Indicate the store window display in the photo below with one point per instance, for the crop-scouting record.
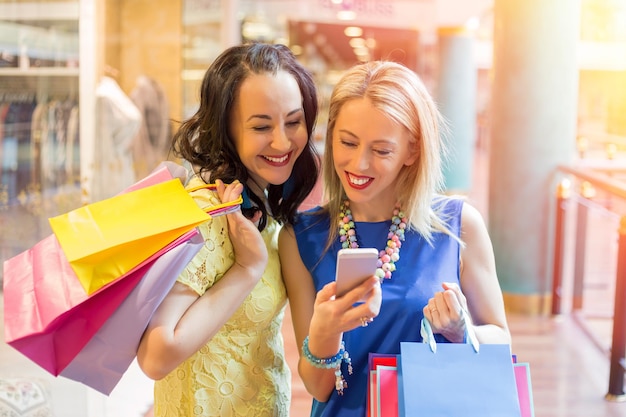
(57, 103)
(54, 144)
(17, 113)
(39, 112)
(152, 143)
(117, 123)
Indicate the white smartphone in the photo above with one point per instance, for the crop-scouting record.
(353, 267)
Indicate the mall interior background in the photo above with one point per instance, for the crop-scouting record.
(63, 62)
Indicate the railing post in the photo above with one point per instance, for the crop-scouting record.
(582, 213)
(618, 342)
(562, 195)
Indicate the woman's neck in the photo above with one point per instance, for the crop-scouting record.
(372, 212)
(256, 189)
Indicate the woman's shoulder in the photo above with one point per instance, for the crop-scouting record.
(311, 226)
(472, 218)
(449, 204)
(311, 217)
(457, 206)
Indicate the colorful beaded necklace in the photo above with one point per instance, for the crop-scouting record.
(388, 257)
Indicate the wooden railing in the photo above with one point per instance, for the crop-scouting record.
(584, 182)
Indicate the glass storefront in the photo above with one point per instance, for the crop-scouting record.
(39, 118)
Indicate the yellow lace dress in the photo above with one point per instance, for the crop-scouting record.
(242, 371)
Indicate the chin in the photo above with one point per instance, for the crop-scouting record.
(277, 181)
(279, 175)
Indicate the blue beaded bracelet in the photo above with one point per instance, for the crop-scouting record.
(330, 363)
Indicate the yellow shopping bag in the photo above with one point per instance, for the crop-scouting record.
(104, 240)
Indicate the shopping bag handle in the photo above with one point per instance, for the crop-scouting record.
(218, 209)
(426, 331)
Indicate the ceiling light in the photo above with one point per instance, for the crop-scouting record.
(320, 39)
(353, 31)
(357, 42)
(473, 23)
(361, 51)
(346, 15)
(256, 29)
(310, 28)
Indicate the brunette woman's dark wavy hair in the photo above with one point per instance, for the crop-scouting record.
(204, 140)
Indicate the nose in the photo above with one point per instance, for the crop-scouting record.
(362, 159)
(280, 140)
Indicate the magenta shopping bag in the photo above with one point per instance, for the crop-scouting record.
(103, 361)
(47, 314)
(524, 388)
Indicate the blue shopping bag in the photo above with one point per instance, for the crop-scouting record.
(456, 379)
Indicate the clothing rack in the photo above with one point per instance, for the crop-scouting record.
(59, 86)
(39, 148)
(17, 97)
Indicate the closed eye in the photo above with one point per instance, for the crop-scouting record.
(294, 123)
(383, 152)
(348, 143)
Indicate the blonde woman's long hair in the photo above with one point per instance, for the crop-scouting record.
(399, 93)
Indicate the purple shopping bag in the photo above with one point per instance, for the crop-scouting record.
(103, 361)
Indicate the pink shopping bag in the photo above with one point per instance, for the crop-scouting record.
(47, 314)
(524, 389)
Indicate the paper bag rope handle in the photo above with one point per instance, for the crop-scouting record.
(426, 331)
(218, 209)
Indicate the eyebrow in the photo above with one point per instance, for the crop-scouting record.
(265, 116)
(348, 133)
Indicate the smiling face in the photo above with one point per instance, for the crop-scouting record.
(268, 127)
(369, 150)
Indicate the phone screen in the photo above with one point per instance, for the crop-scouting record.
(353, 267)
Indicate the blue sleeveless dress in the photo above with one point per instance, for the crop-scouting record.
(420, 271)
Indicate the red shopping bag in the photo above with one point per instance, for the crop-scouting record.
(382, 394)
